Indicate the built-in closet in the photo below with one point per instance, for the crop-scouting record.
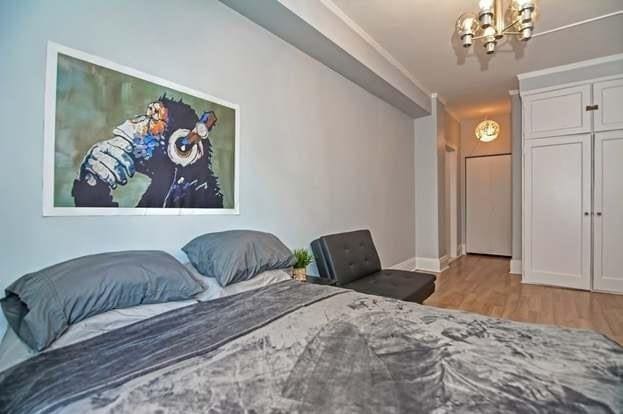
(573, 185)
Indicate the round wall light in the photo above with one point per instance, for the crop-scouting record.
(487, 130)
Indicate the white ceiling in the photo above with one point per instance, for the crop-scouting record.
(420, 35)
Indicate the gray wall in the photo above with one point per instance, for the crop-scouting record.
(470, 146)
(426, 186)
(432, 133)
(318, 153)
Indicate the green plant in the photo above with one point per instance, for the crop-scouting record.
(303, 258)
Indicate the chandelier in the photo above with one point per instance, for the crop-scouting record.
(490, 24)
(487, 130)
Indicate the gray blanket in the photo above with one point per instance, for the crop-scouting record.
(295, 347)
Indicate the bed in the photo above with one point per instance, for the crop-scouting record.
(300, 347)
(138, 331)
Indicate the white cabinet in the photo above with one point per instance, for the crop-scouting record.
(556, 113)
(608, 96)
(557, 224)
(608, 208)
(573, 186)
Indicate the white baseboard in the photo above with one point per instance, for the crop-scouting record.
(444, 263)
(428, 264)
(516, 267)
(408, 264)
(462, 250)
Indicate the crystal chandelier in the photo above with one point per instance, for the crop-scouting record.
(490, 24)
(487, 131)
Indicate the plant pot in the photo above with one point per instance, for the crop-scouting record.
(299, 274)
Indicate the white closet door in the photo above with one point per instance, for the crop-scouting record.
(609, 97)
(557, 205)
(557, 113)
(488, 205)
(608, 219)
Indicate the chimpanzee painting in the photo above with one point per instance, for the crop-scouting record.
(123, 142)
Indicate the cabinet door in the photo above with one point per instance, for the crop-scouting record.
(557, 113)
(557, 205)
(609, 96)
(608, 207)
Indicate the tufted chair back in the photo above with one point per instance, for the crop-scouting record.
(346, 257)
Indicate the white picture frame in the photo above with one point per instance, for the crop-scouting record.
(49, 207)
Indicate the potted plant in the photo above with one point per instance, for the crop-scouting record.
(303, 259)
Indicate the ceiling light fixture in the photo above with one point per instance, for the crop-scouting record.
(487, 130)
(489, 25)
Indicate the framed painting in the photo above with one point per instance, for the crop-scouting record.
(122, 142)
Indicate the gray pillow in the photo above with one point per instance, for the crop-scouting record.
(237, 255)
(40, 306)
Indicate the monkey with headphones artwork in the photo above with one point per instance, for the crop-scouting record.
(170, 144)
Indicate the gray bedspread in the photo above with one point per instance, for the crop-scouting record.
(294, 347)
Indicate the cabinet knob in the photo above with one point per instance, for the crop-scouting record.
(586, 213)
(599, 213)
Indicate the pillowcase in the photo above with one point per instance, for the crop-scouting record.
(237, 255)
(213, 290)
(41, 305)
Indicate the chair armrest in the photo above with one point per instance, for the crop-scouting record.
(321, 260)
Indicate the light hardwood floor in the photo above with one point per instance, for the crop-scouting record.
(482, 284)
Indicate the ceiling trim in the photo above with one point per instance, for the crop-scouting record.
(375, 45)
(571, 66)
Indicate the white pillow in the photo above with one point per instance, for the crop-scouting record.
(213, 290)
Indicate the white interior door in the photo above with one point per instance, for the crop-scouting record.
(488, 205)
(557, 206)
(608, 218)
